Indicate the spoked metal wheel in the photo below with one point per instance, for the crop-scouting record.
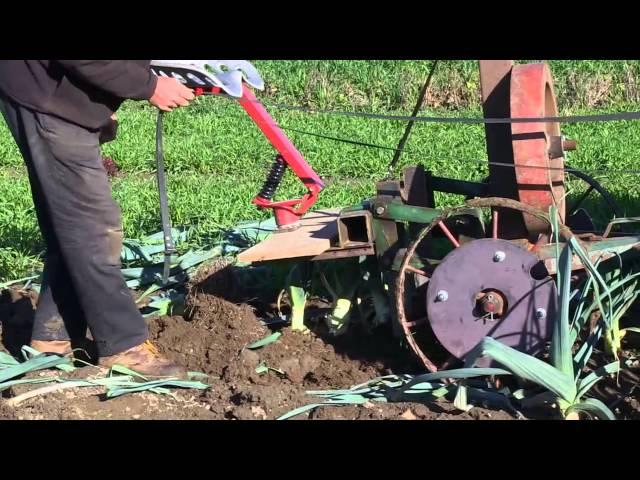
(593, 186)
(485, 286)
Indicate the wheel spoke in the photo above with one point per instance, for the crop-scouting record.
(415, 323)
(582, 198)
(417, 271)
(446, 231)
(594, 184)
(494, 224)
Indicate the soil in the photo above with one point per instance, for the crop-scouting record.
(213, 340)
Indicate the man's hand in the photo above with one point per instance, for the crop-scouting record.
(170, 94)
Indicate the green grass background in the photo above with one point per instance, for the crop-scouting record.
(217, 158)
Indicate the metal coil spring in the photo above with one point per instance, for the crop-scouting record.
(274, 178)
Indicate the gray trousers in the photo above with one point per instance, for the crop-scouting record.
(81, 226)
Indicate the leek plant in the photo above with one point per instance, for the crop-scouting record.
(297, 293)
(342, 290)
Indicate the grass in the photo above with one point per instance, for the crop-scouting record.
(217, 158)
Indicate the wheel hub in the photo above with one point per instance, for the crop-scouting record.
(491, 304)
(489, 287)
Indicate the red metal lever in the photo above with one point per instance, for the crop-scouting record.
(286, 212)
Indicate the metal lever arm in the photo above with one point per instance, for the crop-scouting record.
(230, 76)
(169, 247)
(287, 212)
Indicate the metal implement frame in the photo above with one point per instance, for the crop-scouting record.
(287, 212)
(381, 210)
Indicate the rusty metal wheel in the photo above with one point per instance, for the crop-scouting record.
(537, 144)
(613, 208)
(485, 286)
(536, 149)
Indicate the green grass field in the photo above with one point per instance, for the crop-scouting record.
(217, 158)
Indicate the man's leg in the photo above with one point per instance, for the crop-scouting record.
(58, 311)
(58, 318)
(86, 222)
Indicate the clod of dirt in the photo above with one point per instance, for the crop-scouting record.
(6, 412)
(216, 334)
(408, 415)
(244, 367)
(17, 308)
(299, 370)
(215, 279)
(110, 166)
(421, 411)
(259, 412)
(293, 370)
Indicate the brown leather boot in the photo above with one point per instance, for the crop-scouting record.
(59, 347)
(146, 360)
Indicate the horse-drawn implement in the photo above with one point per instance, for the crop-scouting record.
(444, 277)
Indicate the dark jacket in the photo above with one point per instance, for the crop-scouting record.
(85, 92)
